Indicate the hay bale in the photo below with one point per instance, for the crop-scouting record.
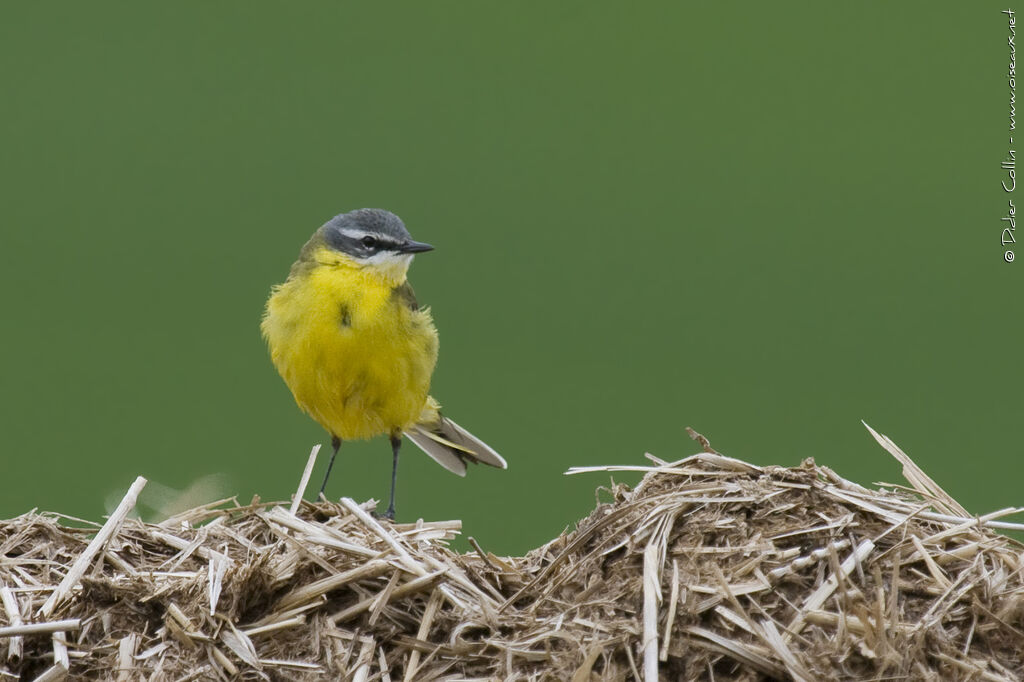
(711, 568)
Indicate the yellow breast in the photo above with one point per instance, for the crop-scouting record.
(354, 353)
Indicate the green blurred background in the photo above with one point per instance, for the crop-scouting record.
(765, 221)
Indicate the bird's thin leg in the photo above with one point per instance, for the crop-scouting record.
(335, 443)
(396, 445)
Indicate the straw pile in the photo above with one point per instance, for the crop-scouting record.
(710, 569)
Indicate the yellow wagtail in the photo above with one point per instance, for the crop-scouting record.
(348, 337)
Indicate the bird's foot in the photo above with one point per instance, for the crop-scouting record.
(389, 514)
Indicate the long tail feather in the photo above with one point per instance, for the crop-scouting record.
(452, 446)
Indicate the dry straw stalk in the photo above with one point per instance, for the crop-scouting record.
(711, 568)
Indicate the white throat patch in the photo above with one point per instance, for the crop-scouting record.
(390, 265)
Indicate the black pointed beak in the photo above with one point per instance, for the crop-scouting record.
(415, 247)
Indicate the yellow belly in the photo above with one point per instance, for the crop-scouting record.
(354, 355)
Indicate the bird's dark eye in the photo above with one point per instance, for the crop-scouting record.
(369, 242)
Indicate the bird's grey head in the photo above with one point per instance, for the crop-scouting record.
(371, 235)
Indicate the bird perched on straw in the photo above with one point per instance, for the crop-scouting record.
(356, 349)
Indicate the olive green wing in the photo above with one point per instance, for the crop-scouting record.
(406, 296)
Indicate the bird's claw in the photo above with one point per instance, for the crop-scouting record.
(389, 514)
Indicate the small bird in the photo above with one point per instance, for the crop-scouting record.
(356, 349)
